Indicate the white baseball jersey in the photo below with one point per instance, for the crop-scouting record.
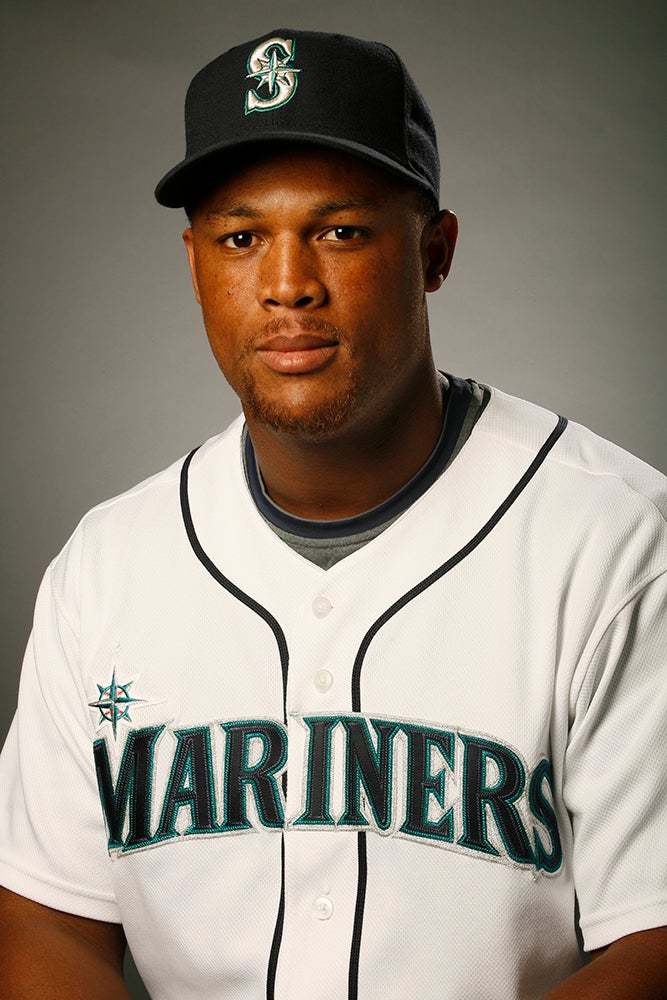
(402, 776)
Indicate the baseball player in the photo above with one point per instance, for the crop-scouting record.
(364, 698)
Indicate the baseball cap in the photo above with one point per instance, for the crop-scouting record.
(330, 90)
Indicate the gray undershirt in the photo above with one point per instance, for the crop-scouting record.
(326, 552)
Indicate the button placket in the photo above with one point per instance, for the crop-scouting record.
(324, 681)
(323, 908)
(322, 606)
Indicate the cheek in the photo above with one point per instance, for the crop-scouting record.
(220, 303)
(388, 291)
(217, 283)
(221, 322)
(358, 290)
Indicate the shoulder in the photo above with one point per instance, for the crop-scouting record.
(213, 457)
(146, 516)
(578, 460)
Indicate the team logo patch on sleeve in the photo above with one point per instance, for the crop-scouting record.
(114, 702)
(271, 64)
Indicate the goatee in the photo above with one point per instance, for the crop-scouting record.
(308, 419)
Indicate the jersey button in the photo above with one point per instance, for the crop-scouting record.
(321, 607)
(323, 907)
(323, 680)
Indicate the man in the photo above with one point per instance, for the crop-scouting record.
(365, 697)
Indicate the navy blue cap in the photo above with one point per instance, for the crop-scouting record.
(304, 86)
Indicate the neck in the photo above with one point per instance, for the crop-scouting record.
(346, 475)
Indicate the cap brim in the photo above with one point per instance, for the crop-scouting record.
(192, 179)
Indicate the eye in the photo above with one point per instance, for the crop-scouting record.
(340, 234)
(238, 241)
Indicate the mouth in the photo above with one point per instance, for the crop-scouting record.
(298, 353)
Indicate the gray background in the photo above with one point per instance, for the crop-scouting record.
(551, 119)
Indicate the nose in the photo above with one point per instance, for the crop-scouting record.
(291, 276)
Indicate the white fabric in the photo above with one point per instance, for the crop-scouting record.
(546, 642)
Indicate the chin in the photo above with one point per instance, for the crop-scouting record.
(314, 420)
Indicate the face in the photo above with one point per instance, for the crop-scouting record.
(311, 269)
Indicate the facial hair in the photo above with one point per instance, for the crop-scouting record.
(313, 420)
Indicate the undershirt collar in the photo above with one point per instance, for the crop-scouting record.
(457, 395)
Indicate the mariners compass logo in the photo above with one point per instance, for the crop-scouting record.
(271, 64)
(114, 701)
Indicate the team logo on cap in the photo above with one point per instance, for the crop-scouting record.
(271, 64)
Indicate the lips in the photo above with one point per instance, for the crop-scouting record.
(297, 353)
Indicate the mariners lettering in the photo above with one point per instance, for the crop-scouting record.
(462, 791)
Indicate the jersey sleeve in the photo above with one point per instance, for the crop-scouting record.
(52, 838)
(615, 773)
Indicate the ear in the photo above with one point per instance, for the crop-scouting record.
(438, 242)
(189, 246)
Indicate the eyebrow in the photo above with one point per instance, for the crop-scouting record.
(241, 211)
(232, 211)
(331, 207)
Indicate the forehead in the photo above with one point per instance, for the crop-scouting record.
(269, 170)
